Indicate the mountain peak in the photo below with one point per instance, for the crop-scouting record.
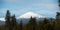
(2, 19)
(29, 14)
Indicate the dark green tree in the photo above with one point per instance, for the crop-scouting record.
(51, 25)
(20, 27)
(59, 3)
(45, 24)
(57, 23)
(13, 22)
(40, 25)
(32, 24)
(45, 21)
(7, 18)
(0, 27)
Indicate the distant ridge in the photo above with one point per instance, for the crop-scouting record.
(29, 14)
(2, 19)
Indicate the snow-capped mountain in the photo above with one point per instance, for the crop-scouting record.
(25, 17)
(29, 14)
(2, 19)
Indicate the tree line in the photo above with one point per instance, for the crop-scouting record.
(46, 24)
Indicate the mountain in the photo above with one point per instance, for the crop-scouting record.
(25, 17)
(2, 21)
(29, 14)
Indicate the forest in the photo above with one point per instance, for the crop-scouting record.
(46, 24)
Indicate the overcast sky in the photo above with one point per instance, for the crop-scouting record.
(18, 7)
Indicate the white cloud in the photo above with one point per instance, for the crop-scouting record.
(49, 1)
(47, 6)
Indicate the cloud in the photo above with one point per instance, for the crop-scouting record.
(47, 6)
(31, 5)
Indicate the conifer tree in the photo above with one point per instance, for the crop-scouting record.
(51, 21)
(45, 24)
(32, 24)
(50, 25)
(0, 27)
(45, 21)
(7, 18)
(21, 25)
(40, 25)
(13, 22)
(59, 4)
(57, 24)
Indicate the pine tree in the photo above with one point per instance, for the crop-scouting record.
(13, 22)
(21, 25)
(59, 4)
(57, 24)
(51, 25)
(40, 25)
(0, 27)
(45, 21)
(7, 18)
(51, 21)
(45, 24)
(32, 24)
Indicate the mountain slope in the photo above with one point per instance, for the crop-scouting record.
(2, 19)
(29, 14)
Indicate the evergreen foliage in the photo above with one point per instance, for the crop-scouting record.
(46, 24)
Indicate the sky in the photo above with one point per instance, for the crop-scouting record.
(19, 7)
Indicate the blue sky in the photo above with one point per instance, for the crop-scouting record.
(18, 7)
